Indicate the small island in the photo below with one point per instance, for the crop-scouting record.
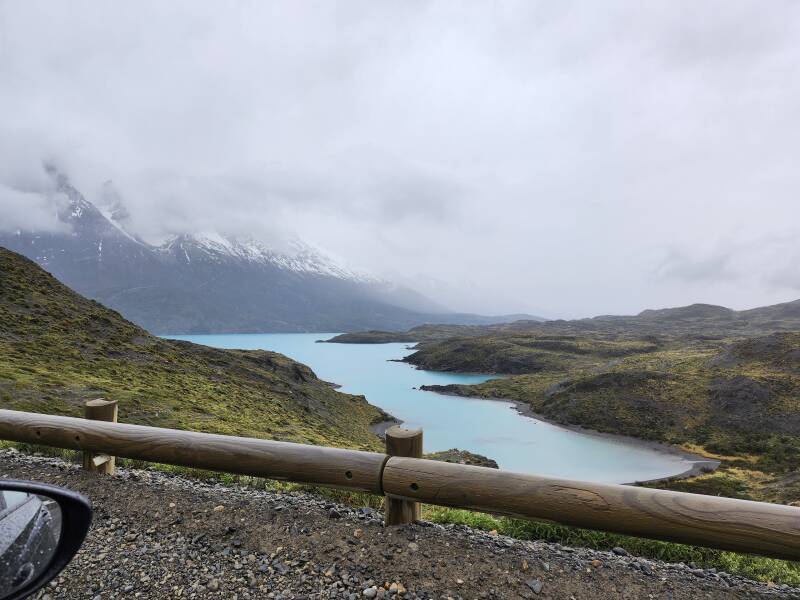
(463, 457)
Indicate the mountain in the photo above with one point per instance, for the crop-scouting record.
(694, 321)
(60, 349)
(693, 311)
(210, 283)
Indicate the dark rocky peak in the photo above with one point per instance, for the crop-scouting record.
(73, 209)
(86, 221)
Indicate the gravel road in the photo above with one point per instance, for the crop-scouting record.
(157, 535)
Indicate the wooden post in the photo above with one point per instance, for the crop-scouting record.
(100, 410)
(408, 443)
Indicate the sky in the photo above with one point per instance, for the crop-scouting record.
(558, 158)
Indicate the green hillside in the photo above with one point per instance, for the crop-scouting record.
(737, 399)
(58, 349)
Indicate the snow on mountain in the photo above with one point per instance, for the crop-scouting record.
(211, 282)
(300, 257)
(110, 218)
(110, 205)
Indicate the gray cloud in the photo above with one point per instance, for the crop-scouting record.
(571, 157)
(28, 210)
(769, 262)
(714, 268)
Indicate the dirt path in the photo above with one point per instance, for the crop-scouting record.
(160, 536)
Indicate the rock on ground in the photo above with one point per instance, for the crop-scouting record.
(157, 535)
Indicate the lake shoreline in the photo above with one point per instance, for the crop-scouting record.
(373, 372)
(700, 464)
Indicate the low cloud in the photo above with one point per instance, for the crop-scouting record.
(718, 267)
(765, 262)
(28, 211)
(565, 157)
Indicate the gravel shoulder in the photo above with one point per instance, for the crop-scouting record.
(158, 535)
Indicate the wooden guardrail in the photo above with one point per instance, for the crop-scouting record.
(725, 523)
(333, 467)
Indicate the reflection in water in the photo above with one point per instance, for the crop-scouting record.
(30, 528)
(488, 427)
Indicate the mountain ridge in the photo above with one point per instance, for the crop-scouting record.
(212, 283)
(692, 320)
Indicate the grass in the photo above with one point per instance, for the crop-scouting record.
(753, 567)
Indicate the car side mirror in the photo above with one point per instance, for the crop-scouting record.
(41, 528)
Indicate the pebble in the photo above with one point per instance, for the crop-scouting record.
(535, 585)
(297, 553)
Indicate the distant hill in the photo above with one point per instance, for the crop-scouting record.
(705, 377)
(693, 311)
(731, 396)
(705, 320)
(209, 283)
(59, 349)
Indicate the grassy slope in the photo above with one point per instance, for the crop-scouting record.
(59, 349)
(739, 399)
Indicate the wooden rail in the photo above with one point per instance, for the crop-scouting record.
(725, 523)
(332, 467)
(740, 525)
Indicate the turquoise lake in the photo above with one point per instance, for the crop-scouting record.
(492, 428)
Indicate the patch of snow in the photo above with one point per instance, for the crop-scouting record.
(301, 258)
(118, 226)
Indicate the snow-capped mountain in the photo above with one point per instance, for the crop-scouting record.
(210, 282)
(299, 257)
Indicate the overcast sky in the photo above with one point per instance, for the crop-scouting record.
(562, 158)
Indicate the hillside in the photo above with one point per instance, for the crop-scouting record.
(516, 353)
(737, 399)
(421, 333)
(59, 349)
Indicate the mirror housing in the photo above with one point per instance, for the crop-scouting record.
(75, 517)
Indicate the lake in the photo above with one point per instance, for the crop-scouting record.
(491, 428)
